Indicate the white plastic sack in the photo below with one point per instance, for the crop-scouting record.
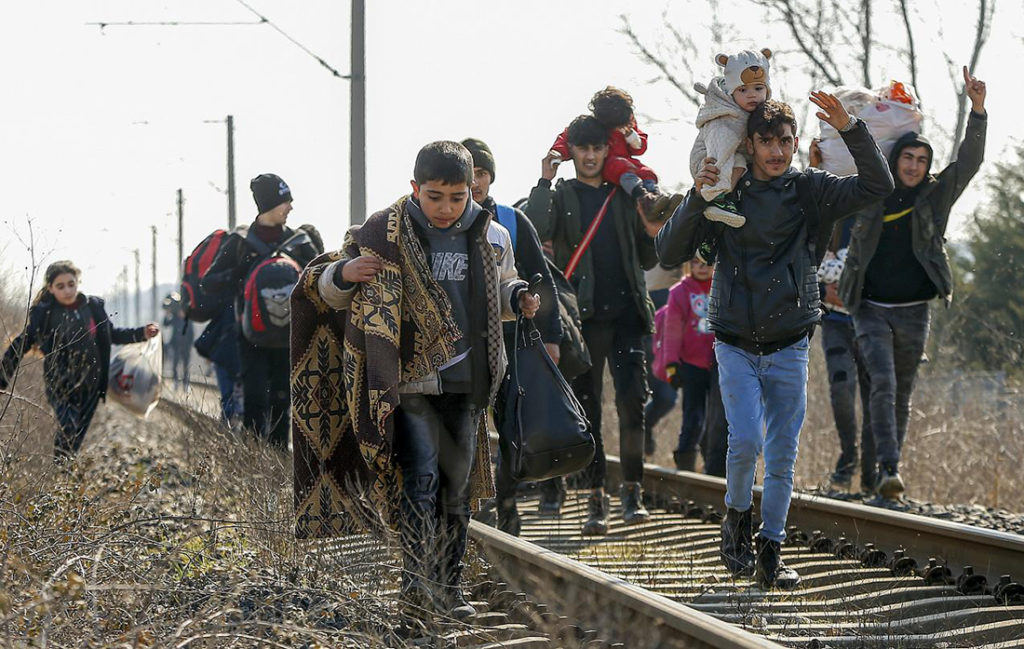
(887, 118)
(135, 376)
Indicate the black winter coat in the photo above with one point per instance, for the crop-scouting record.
(764, 295)
(63, 353)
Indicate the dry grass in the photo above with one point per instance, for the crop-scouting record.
(966, 453)
(171, 532)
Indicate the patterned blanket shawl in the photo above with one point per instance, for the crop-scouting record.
(345, 370)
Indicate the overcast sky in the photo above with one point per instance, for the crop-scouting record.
(101, 126)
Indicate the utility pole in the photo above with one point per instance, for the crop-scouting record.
(231, 172)
(138, 288)
(357, 150)
(181, 232)
(156, 306)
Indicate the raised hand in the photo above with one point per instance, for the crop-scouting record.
(832, 110)
(975, 89)
(151, 330)
(529, 303)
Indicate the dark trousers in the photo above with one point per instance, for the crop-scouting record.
(662, 395)
(74, 414)
(619, 343)
(696, 384)
(229, 406)
(891, 342)
(435, 442)
(845, 375)
(715, 445)
(266, 389)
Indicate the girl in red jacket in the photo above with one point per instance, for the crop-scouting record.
(689, 352)
(614, 109)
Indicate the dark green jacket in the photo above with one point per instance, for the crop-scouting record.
(556, 215)
(930, 217)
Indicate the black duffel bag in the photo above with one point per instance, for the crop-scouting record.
(544, 432)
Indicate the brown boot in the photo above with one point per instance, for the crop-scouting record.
(652, 206)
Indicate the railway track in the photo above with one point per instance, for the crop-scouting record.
(871, 578)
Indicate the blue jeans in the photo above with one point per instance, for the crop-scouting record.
(765, 400)
(229, 405)
(891, 342)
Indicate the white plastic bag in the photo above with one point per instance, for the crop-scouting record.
(894, 112)
(135, 376)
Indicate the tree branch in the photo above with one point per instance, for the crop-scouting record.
(911, 53)
(650, 58)
(986, 8)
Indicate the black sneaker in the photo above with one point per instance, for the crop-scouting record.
(890, 484)
(550, 502)
(597, 520)
(707, 251)
(724, 210)
(633, 510)
(685, 460)
(770, 571)
(737, 552)
(840, 481)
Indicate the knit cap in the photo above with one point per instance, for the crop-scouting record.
(269, 191)
(482, 156)
(746, 67)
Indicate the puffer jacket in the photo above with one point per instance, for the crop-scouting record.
(930, 217)
(764, 294)
(721, 129)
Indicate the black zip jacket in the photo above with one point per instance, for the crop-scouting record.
(61, 352)
(764, 295)
(930, 217)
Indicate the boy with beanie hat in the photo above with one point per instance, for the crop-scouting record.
(722, 126)
(264, 370)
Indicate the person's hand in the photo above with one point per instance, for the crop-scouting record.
(151, 330)
(832, 295)
(707, 175)
(528, 304)
(814, 154)
(832, 110)
(976, 92)
(361, 269)
(549, 165)
(554, 351)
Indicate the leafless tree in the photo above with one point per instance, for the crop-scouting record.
(986, 10)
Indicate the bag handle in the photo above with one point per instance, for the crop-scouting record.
(588, 237)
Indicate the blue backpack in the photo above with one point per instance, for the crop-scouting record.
(507, 218)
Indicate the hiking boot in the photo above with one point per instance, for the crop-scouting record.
(597, 509)
(508, 517)
(652, 207)
(707, 251)
(633, 510)
(550, 501)
(448, 597)
(770, 571)
(451, 601)
(840, 480)
(724, 210)
(685, 460)
(736, 551)
(890, 484)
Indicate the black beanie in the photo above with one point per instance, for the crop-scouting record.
(269, 191)
(482, 156)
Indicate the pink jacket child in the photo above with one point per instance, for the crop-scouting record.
(688, 337)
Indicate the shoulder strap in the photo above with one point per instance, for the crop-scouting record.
(809, 206)
(261, 246)
(507, 218)
(588, 237)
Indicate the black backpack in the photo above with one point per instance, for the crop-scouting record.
(199, 305)
(266, 309)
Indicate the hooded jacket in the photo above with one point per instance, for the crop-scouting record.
(935, 198)
(721, 129)
(764, 295)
